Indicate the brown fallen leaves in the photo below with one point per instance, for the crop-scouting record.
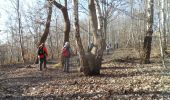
(117, 81)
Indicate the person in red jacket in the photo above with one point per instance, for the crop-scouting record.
(42, 55)
(66, 52)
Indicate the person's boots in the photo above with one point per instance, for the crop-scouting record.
(45, 64)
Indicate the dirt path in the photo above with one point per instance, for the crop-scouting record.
(117, 81)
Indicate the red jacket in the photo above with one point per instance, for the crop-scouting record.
(46, 53)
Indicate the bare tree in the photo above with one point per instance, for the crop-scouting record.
(51, 46)
(162, 32)
(163, 11)
(83, 59)
(91, 63)
(46, 31)
(148, 36)
(20, 32)
(66, 19)
(96, 54)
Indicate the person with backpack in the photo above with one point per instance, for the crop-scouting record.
(42, 55)
(66, 52)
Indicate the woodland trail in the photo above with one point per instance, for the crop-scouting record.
(118, 80)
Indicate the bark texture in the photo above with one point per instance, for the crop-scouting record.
(94, 58)
(47, 26)
(66, 20)
(148, 36)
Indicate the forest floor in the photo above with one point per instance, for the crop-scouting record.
(121, 78)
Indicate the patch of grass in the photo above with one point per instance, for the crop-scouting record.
(57, 65)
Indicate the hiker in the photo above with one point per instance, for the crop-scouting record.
(66, 52)
(42, 55)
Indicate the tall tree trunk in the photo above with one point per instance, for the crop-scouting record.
(22, 47)
(161, 45)
(91, 62)
(65, 3)
(89, 33)
(47, 26)
(57, 40)
(51, 46)
(132, 21)
(163, 10)
(20, 31)
(105, 18)
(162, 32)
(148, 36)
(67, 23)
(83, 60)
(66, 20)
(12, 46)
(167, 17)
(96, 55)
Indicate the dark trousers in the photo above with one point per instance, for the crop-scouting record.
(41, 62)
(66, 64)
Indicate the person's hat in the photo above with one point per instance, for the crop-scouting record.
(66, 44)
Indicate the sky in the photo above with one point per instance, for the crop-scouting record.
(5, 6)
(3, 15)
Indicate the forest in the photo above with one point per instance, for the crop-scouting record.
(84, 50)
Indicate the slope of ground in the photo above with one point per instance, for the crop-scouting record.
(118, 80)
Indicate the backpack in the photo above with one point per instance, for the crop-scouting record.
(66, 52)
(41, 51)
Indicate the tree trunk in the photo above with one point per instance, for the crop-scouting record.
(167, 19)
(83, 60)
(105, 18)
(162, 38)
(89, 34)
(91, 63)
(148, 36)
(67, 23)
(20, 32)
(47, 27)
(51, 46)
(96, 54)
(163, 11)
(66, 20)
(57, 40)
(12, 46)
